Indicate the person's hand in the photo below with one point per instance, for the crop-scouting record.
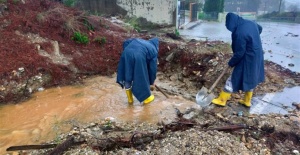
(229, 65)
(152, 87)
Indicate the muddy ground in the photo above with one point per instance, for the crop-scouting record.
(38, 52)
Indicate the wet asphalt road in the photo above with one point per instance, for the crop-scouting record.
(281, 41)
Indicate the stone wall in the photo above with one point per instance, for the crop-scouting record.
(156, 11)
(101, 7)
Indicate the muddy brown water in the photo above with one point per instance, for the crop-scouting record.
(54, 111)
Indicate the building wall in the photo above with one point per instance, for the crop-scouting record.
(156, 11)
(100, 7)
(238, 6)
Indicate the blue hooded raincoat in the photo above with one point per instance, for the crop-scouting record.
(247, 59)
(138, 65)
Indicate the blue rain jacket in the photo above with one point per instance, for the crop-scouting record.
(247, 59)
(138, 65)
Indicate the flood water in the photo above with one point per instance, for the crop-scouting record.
(277, 102)
(281, 41)
(54, 111)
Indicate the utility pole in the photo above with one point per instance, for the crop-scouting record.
(177, 17)
(280, 1)
(265, 7)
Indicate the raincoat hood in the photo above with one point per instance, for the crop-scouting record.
(127, 42)
(155, 42)
(232, 21)
(152, 47)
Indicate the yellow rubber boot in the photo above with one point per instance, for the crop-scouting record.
(129, 95)
(149, 99)
(222, 99)
(247, 99)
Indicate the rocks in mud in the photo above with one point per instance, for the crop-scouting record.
(174, 77)
(295, 120)
(18, 73)
(170, 57)
(296, 152)
(290, 81)
(193, 140)
(297, 105)
(185, 72)
(37, 82)
(291, 65)
(18, 87)
(213, 62)
(3, 9)
(291, 34)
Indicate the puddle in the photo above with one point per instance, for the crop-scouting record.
(280, 102)
(56, 110)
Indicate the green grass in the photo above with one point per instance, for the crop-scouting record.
(80, 38)
(100, 40)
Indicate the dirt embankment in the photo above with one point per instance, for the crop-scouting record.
(39, 48)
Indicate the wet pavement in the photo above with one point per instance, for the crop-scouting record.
(279, 102)
(280, 40)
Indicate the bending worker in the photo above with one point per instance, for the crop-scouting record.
(137, 68)
(247, 59)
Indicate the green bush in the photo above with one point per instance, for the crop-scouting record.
(177, 32)
(201, 15)
(88, 25)
(133, 21)
(69, 3)
(137, 28)
(100, 40)
(3, 1)
(80, 38)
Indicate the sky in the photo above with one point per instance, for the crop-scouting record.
(289, 2)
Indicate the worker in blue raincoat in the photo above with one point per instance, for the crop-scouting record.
(247, 59)
(137, 68)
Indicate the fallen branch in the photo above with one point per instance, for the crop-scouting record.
(162, 91)
(59, 148)
(31, 147)
(136, 140)
(228, 128)
(64, 146)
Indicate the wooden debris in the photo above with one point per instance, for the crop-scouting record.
(161, 91)
(228, 128)
(64, 146)
(31, 147)
(137, 139)
(173, 36)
